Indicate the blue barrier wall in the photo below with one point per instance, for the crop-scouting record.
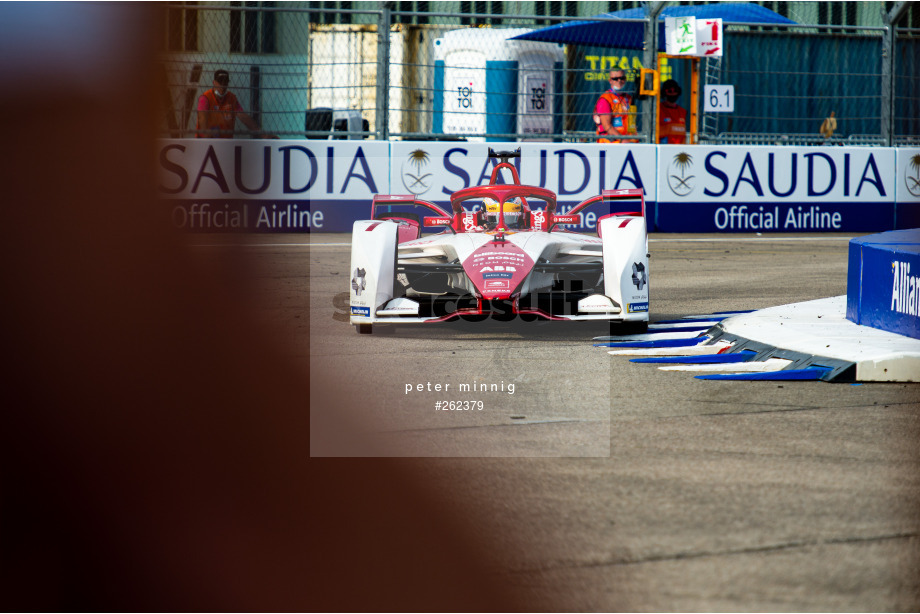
(883, 282)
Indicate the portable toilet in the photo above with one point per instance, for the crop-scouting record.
(485, 83)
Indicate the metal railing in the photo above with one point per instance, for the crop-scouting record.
(729, 138)
(400, 70)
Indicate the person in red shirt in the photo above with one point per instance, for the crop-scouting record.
(672, 119)
(218, 110)
(611, 112)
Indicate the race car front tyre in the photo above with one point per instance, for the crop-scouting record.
(364, 329)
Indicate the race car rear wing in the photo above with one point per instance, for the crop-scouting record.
(403, 199)
(613, 196)
(387, 201)
(618, 204)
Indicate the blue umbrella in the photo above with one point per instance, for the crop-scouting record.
(615, 32)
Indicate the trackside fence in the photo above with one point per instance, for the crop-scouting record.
(305, 71)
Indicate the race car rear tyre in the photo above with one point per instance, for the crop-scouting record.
(364, 329)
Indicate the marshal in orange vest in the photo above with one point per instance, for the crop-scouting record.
(617, 106)
(217, 116)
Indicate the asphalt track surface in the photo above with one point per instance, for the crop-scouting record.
(604, 485)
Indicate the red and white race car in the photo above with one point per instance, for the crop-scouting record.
(504, 253)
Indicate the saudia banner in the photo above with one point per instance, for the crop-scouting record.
(908, 188)
(775, 189)
(303, 186)
(271, 186)
(575, 172)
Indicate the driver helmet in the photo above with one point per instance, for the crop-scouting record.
(513, 212)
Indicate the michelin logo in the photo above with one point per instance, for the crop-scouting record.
(361, 311)
(636, 307)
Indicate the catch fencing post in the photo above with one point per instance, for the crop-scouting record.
(887, 81)
(383, 72)
(650, 60)
(887, 111)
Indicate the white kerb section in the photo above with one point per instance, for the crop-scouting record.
(820, 328)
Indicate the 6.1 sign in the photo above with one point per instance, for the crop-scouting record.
(719, 99)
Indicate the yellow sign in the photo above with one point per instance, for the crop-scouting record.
(599, 67)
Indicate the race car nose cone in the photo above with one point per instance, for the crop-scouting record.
(497, 269)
